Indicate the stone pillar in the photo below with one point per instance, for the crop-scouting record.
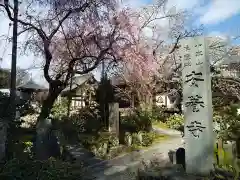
(114, 118)
(197, 101)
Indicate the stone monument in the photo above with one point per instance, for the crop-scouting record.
(197, 101)
(114, 118)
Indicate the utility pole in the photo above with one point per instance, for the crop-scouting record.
(14, 62)
(12, 103)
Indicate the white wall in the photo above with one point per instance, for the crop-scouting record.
(163, 100)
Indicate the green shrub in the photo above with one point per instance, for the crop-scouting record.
(148, 138)
(76, 123)
(60, 109)
(97, 143)
(21, 150)
(175, 121)
(5, 113)
(138, 121)
(225, 172)
(114, 141)
(158, 114)
(228, 119)
(144, 120)
(4, 102)
(135, 139)
(154, 170)
(128, 123)
(85, 121)
(44, 170)
(88, 141)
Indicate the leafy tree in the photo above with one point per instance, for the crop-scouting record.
(4, 78)
(150, 60)
(59, 109)
(74, 37)
(4, 100)
(22, 76)
(229, 120)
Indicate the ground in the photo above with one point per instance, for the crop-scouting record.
(119, 166)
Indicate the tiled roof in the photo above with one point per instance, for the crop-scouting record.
(78, 81)
(31, 85)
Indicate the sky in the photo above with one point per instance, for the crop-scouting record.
(219, 18)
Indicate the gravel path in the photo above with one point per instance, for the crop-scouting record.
(169, 132)
(123, 167)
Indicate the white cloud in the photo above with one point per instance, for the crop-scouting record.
(208, 11)
(218, 35)
(220, 10)
(182, 4)
(179, 4)
(133, 3)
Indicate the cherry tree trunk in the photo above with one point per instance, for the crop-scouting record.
(45, 143)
